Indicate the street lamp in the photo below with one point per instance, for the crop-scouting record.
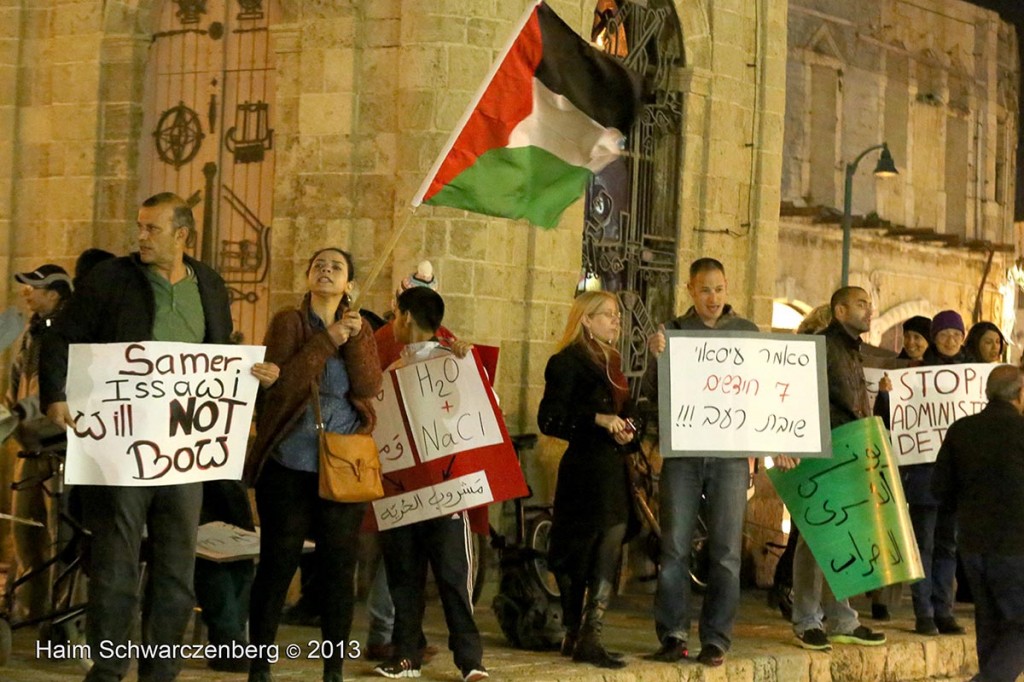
(886, 168)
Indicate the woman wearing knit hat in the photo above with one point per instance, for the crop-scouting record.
(935, 526)
(947, 336)
(985, 343)
(916, 332)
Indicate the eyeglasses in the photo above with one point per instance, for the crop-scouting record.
(611, 316)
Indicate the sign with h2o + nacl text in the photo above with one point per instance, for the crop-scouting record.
(734, 394)
(443, 447)
(159, 413)
(924, 401)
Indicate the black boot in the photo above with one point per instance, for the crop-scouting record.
(571, 594)
(588, 646)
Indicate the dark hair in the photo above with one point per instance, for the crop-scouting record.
(62, 288)
(344, 254)
(842, 296)
(181, 217)
(89, 259)
(704, 265)
(974, 340)
(426, 306)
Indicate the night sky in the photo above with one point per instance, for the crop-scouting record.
(1013, 12)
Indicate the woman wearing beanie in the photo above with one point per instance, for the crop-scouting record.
(985, 343)
(935, 526)
(916, 332)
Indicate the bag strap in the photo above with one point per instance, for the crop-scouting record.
(315, 390)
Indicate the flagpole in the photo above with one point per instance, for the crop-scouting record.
(378, 265)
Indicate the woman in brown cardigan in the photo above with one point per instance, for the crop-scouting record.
(321, 341)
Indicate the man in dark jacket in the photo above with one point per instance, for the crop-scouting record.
(980, 472)
(847, 402)
(723, 481)
(157, 294)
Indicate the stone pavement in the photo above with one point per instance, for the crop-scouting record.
(764, 651)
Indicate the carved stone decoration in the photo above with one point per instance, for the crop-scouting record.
(178, 135)
(251, 135)
(189, 10)
(251, 9)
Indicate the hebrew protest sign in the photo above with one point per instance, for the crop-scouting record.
(852, 512)
(442, 442)
(159, 413)
(924, 401)
(735, 394)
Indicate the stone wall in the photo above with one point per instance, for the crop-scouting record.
(936, 80)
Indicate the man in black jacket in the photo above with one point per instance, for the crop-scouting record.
(157, 294)
(847, 402)
(980, 472)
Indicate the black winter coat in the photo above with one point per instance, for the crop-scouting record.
(592, 493)
(115, 303)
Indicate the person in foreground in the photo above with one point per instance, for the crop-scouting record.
(813, 602)
(586, 402)
(979, 472)
(721, 482)
(324, 346)
(156, 294)
(442, 542)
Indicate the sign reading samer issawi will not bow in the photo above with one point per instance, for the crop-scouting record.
(159, 413)
(734, 394)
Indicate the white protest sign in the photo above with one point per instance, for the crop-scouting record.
(734, 394)
(219, 541)
(448, 406)
(159, 413)
(924, 402)
(389, 433)
(449, 497)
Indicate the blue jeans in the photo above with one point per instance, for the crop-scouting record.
(380, 609)
(935, 529)
(724, 483)
(998, 586)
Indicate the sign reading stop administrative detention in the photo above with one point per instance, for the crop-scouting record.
(159, 413)
(734, 394)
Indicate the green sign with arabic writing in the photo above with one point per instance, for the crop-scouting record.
(852, 512)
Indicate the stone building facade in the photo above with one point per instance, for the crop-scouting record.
(366, 93)
(938, 82)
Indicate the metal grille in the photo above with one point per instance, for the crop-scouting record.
(208, 133)
(630, 235)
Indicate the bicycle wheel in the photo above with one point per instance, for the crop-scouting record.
(481, 557)
(538, 536)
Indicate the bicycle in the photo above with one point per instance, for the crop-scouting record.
(61, 623)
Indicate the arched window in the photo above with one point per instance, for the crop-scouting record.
(631, 230)
(208, 135)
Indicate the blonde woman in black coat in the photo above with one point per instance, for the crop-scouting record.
(586, 402)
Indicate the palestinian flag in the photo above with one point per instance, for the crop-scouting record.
(552, 113)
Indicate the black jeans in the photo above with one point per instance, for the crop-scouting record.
(998, 586)
(445, 544)
(116, 516)
(291, 510)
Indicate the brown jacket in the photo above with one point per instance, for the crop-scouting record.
(301, 353)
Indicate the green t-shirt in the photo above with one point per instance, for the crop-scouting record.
(179, 309)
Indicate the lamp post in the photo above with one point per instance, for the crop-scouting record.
(885, 168)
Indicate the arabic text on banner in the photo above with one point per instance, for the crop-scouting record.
(442, 442)
(852, 512)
